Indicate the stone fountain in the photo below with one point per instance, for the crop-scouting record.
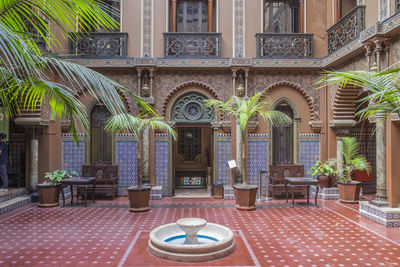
(191, 240)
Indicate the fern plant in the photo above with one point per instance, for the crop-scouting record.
(351, 160)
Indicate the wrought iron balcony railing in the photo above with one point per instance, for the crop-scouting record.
(284, 45)
(192, 45)
(99, 45)
(346, 29)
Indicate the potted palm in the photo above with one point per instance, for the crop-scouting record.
(349, 190)
(139, 195)
(326, 173)
(49, 190)
(243, 109)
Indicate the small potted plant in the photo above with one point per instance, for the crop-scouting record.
(349, 190)
(326, 173)
(139, 196)
(49, 190)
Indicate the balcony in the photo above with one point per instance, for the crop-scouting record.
(284, 45)
(192, 45)
(346, 29)
(99, 45)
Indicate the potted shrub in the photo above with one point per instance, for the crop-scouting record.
(326, 173)
(349, 190)
(242, 109)
(139, 196)
(49, 190)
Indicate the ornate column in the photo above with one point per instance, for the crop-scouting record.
(368, 53)
(381, 195)
(339, 156)
(145, 156)
(301, 12)
(378, 50)
(173, 9)
(210, 15)
(215, 126)
(239, 174)
(383, 9)
(34, 168)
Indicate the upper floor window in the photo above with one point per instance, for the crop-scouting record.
(281, 16)
(192, 15)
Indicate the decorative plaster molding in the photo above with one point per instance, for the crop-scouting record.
(147, 38)
(316, 126)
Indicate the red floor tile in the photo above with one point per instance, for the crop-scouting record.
(276, 234)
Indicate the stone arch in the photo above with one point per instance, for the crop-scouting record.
(344, 105)
(90, 101)
(185, 88)
(281, 100)
(307, 97)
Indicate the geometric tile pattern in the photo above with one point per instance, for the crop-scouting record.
(224, 155)
(126, 152)
(331, 193)
(277, 234)
(162, 161)
(258, 156)
(388, 217)
(309, 150)
(73, 156)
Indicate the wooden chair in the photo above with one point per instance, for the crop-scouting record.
(277, 174)
(106, 180)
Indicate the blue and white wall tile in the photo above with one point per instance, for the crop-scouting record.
(224, 155)
(126, 152)
(309, 150)
(162, 162)
(257, 156)
(73, 154)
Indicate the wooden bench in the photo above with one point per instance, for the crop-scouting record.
(106, 180)
(277, 174)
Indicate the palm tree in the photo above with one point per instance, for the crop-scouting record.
(26, 70)
(243, 109)
(351, 160)
(139, 126)
(383, 89)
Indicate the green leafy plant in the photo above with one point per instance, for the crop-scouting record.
(243, 109)
(57, 175)
(351, 160)
(326, 168)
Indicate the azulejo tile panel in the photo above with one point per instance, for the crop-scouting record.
(224, 155)
(309, 150)
(73, 154)
(126, 152)
(257, 156)
(162, 162)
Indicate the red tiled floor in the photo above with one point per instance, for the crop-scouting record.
(275, 234)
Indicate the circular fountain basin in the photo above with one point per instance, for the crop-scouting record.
(214, 241)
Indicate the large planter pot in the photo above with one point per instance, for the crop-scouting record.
(245, 196)
(364, 176)
(49, 195)
(325, 181)
(139, 198)
(349, 192)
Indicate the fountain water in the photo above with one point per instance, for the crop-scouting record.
(191, 240)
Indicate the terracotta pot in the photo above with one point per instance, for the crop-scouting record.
(245, 196)
(349, 192)
(139, 199)
(364, 176)
(49, 195)
(325, 181)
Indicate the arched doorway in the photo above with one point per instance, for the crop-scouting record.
(100, 140)
(192, 152)
(283, 138)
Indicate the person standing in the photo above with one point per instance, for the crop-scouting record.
(3, 161)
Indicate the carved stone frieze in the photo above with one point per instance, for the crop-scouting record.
(260, 80)
(219, 81)
(147, 41)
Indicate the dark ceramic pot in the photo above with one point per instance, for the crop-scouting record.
(325, 181)
(245, 196)
(49, 195)
(349, 192)
(139, 199)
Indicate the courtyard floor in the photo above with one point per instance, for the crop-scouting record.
(276, 234)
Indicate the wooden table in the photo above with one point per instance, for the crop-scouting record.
(84, 181)
(293, 181)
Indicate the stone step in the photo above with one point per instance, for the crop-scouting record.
(14, 203)
(12, 193)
